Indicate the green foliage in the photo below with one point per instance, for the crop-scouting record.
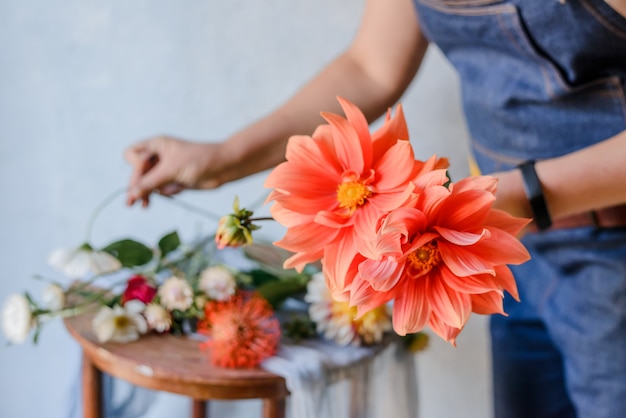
(299, 327)
(169, 243)
(130, 253)
(277, 291)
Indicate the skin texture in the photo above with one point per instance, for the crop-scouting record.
(618, 5)
(372, 76)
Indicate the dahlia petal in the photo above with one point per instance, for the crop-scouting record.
(347, 143)
(333, 219)
(382, 274)
(444, 330)
(506, 280)
(431, 178)
(394, 234)
(466, 210)
(503, 220)
(405, 220)
(431, 199)
(500, 248)
(432, 164)
(273, 195)
(291, 180)
(341, 260)
(487, 303)
(315, 152)
(393, 129)
(365, 298)
(385, 202)
(299, 261)
(463, 261)
(307, 205)
(472, 284)
(395, 167)
(360, 125)
(411, 308)
(387, 245)
(289, 218)
(458, 237)
(365, 220)
(323, 136)
(306, 238)
(486, 183)
(454, 308)
(301, 148)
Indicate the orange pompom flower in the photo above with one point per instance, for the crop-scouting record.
(441, 259)
(335, 186)
(242, 330)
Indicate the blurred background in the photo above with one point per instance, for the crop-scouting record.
(80, 80)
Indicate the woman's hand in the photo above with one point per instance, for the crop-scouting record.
(169, 165)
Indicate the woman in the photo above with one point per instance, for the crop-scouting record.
(542, 80)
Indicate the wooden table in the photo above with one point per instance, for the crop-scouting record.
(173, 364)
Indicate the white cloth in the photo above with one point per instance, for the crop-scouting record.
(329, 381)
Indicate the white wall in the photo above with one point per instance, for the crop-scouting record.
(82, 79)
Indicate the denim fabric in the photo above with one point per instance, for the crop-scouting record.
(563, 348)
(540, 79)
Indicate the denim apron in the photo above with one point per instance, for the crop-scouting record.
(540, 79)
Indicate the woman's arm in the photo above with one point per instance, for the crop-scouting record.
(589, 179)
(373, 73)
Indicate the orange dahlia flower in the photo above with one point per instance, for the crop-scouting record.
(335, 185)
(243, 330)
(441, 259)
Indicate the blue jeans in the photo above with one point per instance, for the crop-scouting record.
(561, 352)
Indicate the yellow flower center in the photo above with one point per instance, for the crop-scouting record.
(424, 259)
(339, 308)
(352, 194)
(121, 322)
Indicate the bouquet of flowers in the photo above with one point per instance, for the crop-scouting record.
(376, 240)
(389, 227)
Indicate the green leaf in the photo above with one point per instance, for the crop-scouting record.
(169, 243)
(130, 253)
(276, 292)
(261, 277)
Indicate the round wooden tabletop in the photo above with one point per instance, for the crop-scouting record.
(174, 364)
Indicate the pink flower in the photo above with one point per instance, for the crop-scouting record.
(335, 186)
(440, 259)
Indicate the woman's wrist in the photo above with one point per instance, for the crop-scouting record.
(510, 194)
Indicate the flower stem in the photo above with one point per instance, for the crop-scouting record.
(99, 209)
(193, 208)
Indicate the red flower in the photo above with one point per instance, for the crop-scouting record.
(243, 330)
(139, 288)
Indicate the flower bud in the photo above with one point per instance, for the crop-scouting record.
(235, 229)
(230, 233)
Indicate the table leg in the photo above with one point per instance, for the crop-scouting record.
(274, 408)
(199, 409)
(92, 389)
